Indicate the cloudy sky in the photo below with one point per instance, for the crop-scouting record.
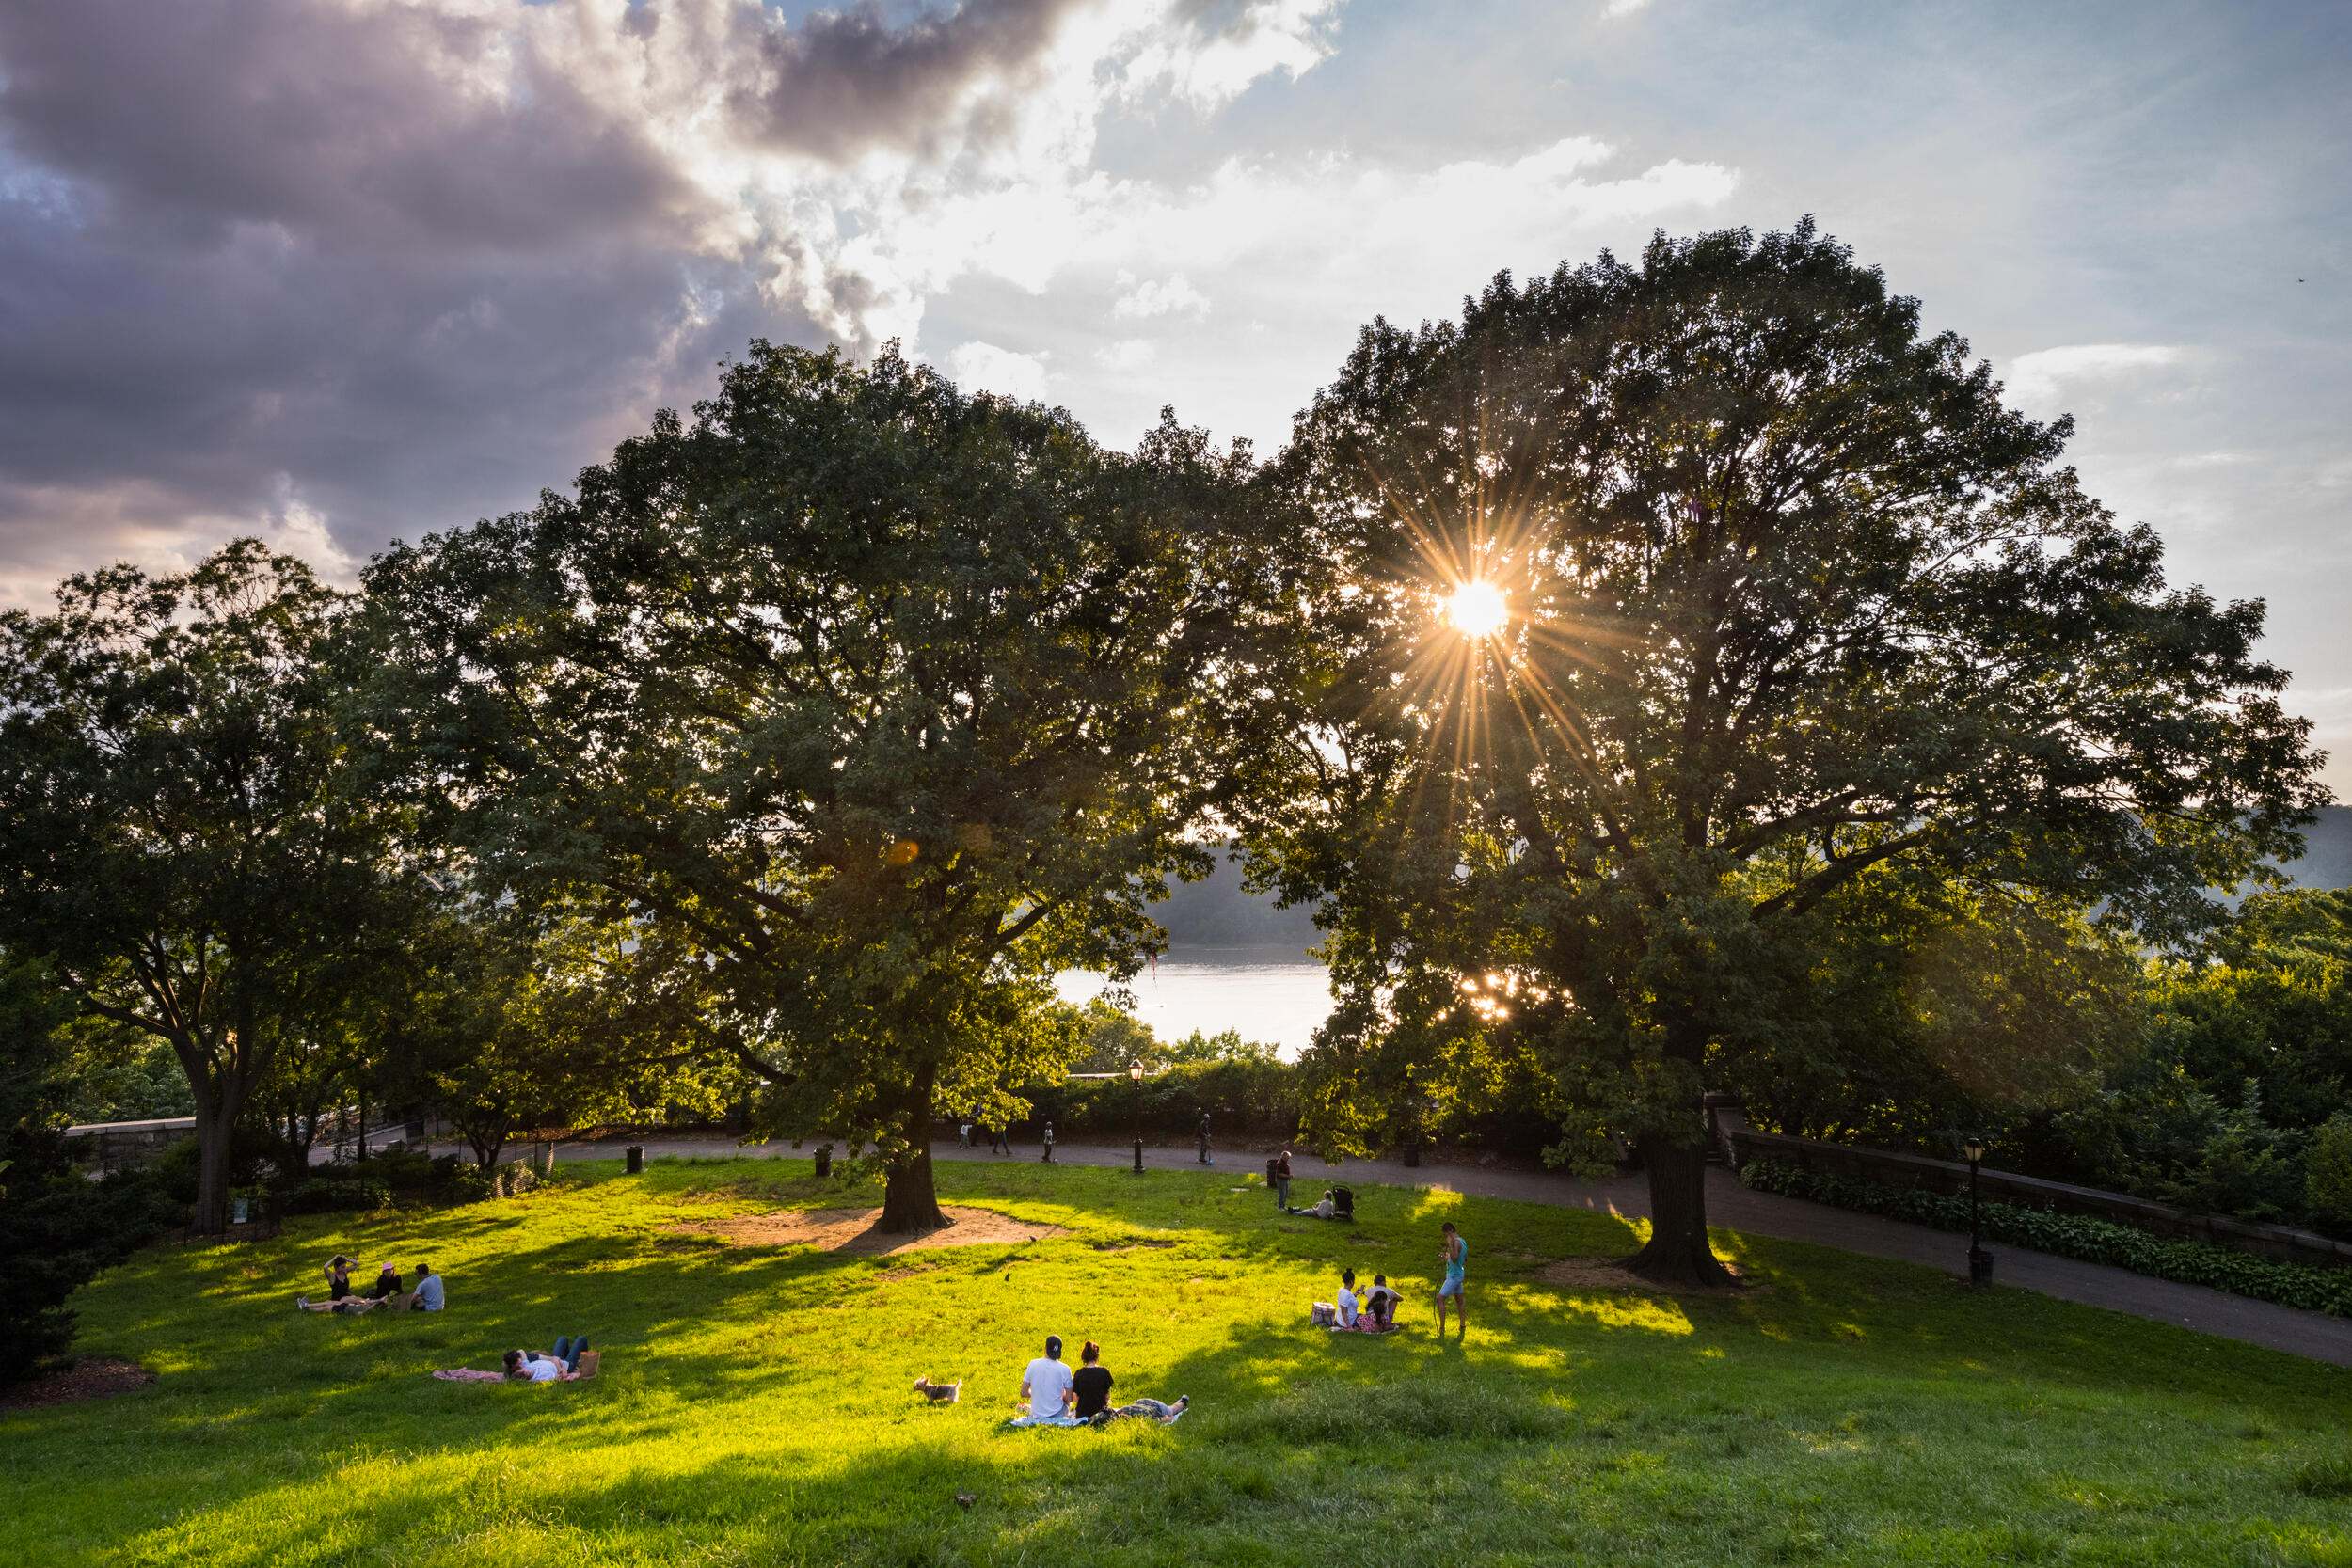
(339, 271)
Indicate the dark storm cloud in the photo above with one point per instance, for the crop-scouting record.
(848, 79)
(404, 263)
(355, 125)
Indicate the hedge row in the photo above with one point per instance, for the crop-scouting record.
(2078, 1236)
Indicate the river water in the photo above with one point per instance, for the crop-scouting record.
(1264, 993)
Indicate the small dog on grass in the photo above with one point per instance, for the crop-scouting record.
(939, 1393)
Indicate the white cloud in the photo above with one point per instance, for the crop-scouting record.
(1128, 354)
(1622, 7)
(1157, 297)
(295, 527)
(2039, 382)
(1289, 36)
(984, 367)
(1415, 240)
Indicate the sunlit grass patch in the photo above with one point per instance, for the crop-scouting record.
(754, 1405)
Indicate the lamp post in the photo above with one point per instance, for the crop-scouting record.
(1979, 1261)
(1135, 1076)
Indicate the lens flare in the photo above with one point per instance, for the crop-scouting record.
(1477, 609)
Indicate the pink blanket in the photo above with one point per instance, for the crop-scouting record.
(470, 1374)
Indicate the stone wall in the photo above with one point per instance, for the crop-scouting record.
(114, 1145)
(1740, 1143)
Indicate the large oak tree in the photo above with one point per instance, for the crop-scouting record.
(868, 704)
(1790, 598)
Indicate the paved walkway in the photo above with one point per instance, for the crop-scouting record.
(1730, 1206)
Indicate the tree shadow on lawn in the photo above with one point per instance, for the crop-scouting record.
(715, 1352)
(1298, 1444)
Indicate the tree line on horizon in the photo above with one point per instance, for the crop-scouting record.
(1832, 730)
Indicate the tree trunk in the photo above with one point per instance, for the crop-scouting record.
(1678, 1253)
(214, 1126)
(910, 1202)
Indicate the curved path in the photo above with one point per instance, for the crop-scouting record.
(1728, 1205)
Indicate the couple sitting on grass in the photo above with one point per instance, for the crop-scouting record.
(386, 1292)
(1054, 1396)
(1374, 1313)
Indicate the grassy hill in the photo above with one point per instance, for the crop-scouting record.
(754, 1406)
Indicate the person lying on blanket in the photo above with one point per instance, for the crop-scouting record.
(1154, 1409)
(560, 1366)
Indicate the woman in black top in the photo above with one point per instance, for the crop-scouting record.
(1091, 1382)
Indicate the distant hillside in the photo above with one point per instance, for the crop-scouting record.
(1216, 912)
(1219, 913)
(2326, 859)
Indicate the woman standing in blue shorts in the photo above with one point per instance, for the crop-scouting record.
(1454, 1253)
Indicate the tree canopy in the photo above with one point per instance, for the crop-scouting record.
(179, 836)
(1788, 598)
(865, 703)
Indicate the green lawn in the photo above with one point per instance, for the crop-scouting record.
(754, 1406)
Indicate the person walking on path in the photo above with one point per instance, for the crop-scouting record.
(1048, 1155)
(996, 1144)
(1281, 1179)
(1204, 1137)
(1454, 1253)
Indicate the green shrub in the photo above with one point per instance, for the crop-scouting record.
(2077, 1236)
(464, 1182)
(2327, 1173)
(322, 1194)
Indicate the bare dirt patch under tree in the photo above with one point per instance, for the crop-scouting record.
(92, 1377)
(854, 1230)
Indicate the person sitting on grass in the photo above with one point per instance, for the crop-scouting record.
(1323, 1210)
(429, 1295)
(1348, 1307)
(1091, 1385)
(1046, 1383)
(1380, 1304)
(387, 1286)
(562, 1364)
(338, 1286)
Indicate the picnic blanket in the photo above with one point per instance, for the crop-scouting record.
(470, 1374)
(1046, 1421)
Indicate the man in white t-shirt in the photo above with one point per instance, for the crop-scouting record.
(1046, 1383)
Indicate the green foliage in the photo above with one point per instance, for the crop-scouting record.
(2327, 1173)
(1793, 597)
(867, 705)
(179, 833)
(120, 1075)
(322, 1195)
(2079, 1236)
(57, 1228)
(1241, 1093)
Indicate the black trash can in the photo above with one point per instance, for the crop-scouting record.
(635, 1156)
(824, 1161)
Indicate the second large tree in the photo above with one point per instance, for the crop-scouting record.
(869, 704)
(1769, 594)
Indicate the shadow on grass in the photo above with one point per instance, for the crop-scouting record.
(716, 1429)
